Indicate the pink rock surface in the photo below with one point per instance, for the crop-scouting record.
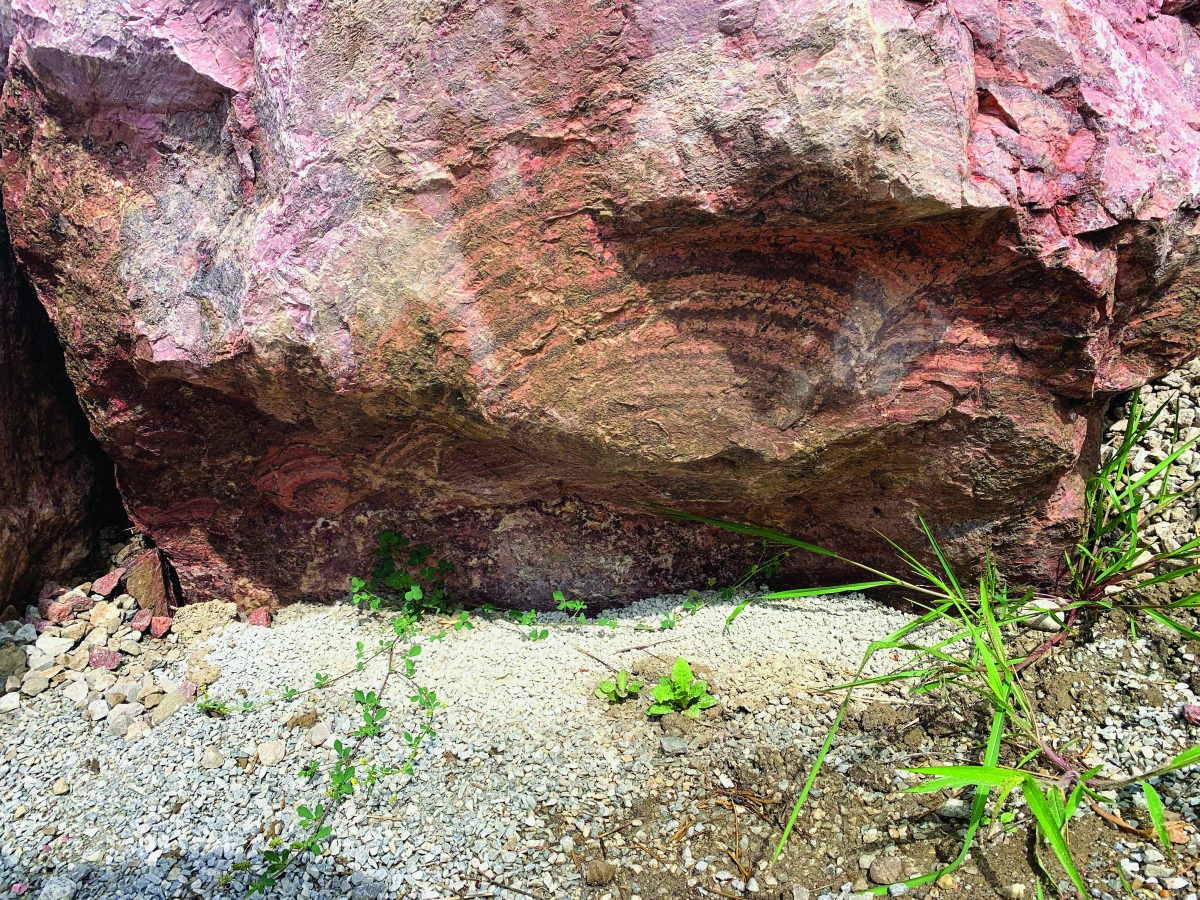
(141, 619)
(59, 611)
(260, 616)
(1191, 712)
(160, 625)
(484, 277)
(49, 593)
(106, 584)
(103, 658)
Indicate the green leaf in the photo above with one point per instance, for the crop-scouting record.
(752, 530)
(1188, 757)
(737, 611)
(1158, 816)
(952, 777)
(659, 709)
(1171, 623)
(664, 691)
(822, 591)
(1052, 831)
(681, 674)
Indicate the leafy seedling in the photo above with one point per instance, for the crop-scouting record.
(681, 693)
(575, 609)
(618, 689)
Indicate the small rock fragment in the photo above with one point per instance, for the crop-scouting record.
(77, 692)
(886, 870)
(673, 746)
(34, 684)
(10, 702)
(319, 734)
(171, 702)
(141, 619)
(98, 709)
(600, 872)
(271, 752)
(260, 616)
(103, 658)
(57, 888)
(107, 616)
(61, 787)
(211, 758)
(106, 584)
(1191, 713)
(121, 717)
(160, 625)
(54, 646)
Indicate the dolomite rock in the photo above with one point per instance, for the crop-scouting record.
(484, 275)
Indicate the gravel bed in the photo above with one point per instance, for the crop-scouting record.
(522, 746)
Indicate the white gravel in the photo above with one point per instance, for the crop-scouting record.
(522, 746)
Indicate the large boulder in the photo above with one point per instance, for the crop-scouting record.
(56, 488)
(482, 273)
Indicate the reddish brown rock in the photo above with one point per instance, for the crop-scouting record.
(141, 619)
(486, 278)
(54, 481)
(160, 625)
(59, 611)
(260, 616)
(79, 602)
(106, 584)
(103, 658)
(49, 593)
(147, 580)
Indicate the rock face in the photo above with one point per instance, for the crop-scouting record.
(56, 488)
(483, 272)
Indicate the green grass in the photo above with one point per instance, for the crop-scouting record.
(964, 639)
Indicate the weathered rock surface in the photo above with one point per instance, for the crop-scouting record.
(483, 273)
(53, 489)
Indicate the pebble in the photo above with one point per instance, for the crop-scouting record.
(673, 746)
(98, 709)
(61, 787)
(887, 869)
(211, 758)
(57, 888)
(600, 872)
(271, 753)
(319, 734)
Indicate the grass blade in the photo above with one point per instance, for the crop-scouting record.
(836, 589)
(751, 530)
(1052, 831)
(1158, 817)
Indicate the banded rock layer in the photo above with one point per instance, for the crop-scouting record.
(482, 271)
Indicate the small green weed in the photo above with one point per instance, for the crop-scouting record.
(575, 609)
(404, 577)
(618, 689)
(681, 693)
